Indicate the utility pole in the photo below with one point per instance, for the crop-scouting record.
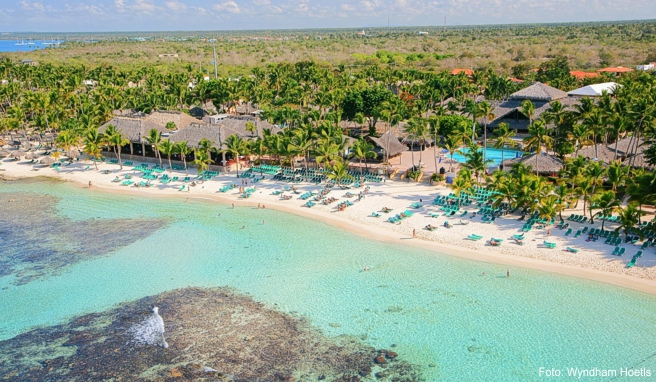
(216, 75)
(444, 23)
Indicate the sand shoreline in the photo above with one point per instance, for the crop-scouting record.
(595, 266)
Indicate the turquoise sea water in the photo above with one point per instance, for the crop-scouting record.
(492, 154)
(437, 309)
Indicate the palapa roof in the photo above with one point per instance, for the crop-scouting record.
(626, 145)
(604, 153)
(134, 129)
(539, 92)
(638, 160)
(162, 117)
(504, 111)
(595, 90)
(195, 132)
(546, 163)
(389, 143)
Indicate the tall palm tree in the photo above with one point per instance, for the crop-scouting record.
(617, 174)
(528, 109)
(503, 136)
(451, 144)
(537, 137)
(154, 138)
(475, 162)
(167, 148)
(183, 149)
(116, 139)
(236, 146)
(484, 109)
(362, 150)
(434, 130)
(462, 184)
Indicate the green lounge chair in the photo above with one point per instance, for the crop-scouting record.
(518, 236)
(549, 245)
(573, 250)
(569, 230)
(474, 237)
(497, 240)
(375, 214)
(182, 188)
(578, 233)
(616, 251)
(645, 245)
(621, 252)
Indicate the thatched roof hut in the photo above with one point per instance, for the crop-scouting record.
(47, 161)
(389, 143)
(539, 92)
(195, 132)
(547, 164)
(638, 160)
(134, 129)
(603, 153)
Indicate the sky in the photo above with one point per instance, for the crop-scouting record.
(167, 15)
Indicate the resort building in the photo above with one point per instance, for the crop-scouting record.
(540, 94)
(649, 66)
(583, 75)
(595, 90)
(546, 164)
(618, 71)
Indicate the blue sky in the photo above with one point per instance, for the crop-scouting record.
(146, 15)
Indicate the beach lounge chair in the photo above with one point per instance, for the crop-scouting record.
(375, 214)
(497, 240)
(518, 236)
(415, 205)
(645, 245)
(621, 252)
(434, 215)
(549, 245)
(616, 251)
(474, 237)
(569, 230)
(573, 250)
(494, 243)
(182, 188)
(463, 222)
(578, 233)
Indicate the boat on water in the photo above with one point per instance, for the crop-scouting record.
(30, 42)
(20, 43)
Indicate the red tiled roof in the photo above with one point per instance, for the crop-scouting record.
(581, 75)
(468, 72)
(515, 80)
(619, 69)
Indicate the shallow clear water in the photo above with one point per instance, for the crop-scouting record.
(492, 154)
(437, 309)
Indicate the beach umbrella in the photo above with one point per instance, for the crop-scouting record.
(31, 155)
(4, 153)
(48, 160)
(3, 142)
(17, 154)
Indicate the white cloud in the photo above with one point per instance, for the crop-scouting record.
(347, 7)
(143, 6)
(175, 5)
(33, 6)
(228, 6)
(260, 3)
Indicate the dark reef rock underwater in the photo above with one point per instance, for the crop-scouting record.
(210, 335)
(36, 241)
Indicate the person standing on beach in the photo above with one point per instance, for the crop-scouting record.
(233, 206)
(414, 233)
(89, 184)
(507, 273)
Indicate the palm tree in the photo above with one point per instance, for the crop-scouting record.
(548, 207)
(537, 136)
(154, 138)
(475, 162)
(93, 144)
(484, 109)
(528, 109)
(617, 174)
(434, 129)
(339, 171)
(462, 184)
(361, 150)
(503, 136)
(606, 202)
(202, 160)
(183, 149)
(596, 172)
(167, 148)
(251, 127)
(258, 147)
(116, 139)
(235, 145)
(451, 144)
(628, 217)
(564, 195)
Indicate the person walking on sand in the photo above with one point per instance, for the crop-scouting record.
(258, 206)
(233, 206)
(89, 184)
(414, 233)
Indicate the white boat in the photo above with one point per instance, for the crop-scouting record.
(20, 43)
(30, 43)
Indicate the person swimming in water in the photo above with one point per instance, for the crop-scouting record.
(366, 268)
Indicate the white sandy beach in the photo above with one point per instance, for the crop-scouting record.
(594, 261)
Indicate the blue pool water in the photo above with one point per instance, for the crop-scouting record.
(438, 309)
(492, 153)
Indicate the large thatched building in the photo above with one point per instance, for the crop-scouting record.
(545, 163)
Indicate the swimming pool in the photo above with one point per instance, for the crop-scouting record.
(492, 153)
